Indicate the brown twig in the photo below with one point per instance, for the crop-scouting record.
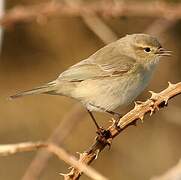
(101, 29)
(10, 149)
(67, 124)
(172, 174)
(96, 25)
(159, 26)
(52, 9)
(156, 101)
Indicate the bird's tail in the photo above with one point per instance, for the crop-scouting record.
(38, 90)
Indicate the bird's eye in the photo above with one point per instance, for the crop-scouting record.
(147, 49)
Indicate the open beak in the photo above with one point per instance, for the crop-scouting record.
(163, 52)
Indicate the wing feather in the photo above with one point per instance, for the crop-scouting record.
(106, 62)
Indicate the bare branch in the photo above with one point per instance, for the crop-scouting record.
(102, 30)
(172, 174)
(10, 149)
(159, 26)
(59, 152)
(96, 25)
(67, 124)
(156, 101)
(41, 12)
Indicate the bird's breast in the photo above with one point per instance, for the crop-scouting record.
(135, 83)
(110, 93)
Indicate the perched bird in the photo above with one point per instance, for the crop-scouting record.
(113, 76)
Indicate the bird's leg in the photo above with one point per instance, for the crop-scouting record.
(103, 135)
(94, 120)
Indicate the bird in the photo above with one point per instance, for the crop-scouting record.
(112, 77)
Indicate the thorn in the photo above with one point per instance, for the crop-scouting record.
(169, 84)
(66, 176)
(151, 111)
(157, 107)
(80, 154)
(112, 121)
(163, 103)
(153, 95)
(97, 153)
(139, 102)
(70, 168)
(141, 118)
(166, 101)
(135, 104)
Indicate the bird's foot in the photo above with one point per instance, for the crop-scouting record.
(104, 136)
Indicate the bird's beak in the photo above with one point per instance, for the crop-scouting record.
(163, 52)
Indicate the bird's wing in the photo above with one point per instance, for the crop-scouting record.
(104, 63)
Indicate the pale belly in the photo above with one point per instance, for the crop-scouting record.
(110, 93)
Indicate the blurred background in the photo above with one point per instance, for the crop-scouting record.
(34, 53)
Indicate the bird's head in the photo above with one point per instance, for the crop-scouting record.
(145, 48)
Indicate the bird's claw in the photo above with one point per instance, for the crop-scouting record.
(104, 136)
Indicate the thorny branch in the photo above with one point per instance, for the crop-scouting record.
(10, 149)
(155, 102)
(41, 12)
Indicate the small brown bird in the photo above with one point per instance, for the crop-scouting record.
(113, 76)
